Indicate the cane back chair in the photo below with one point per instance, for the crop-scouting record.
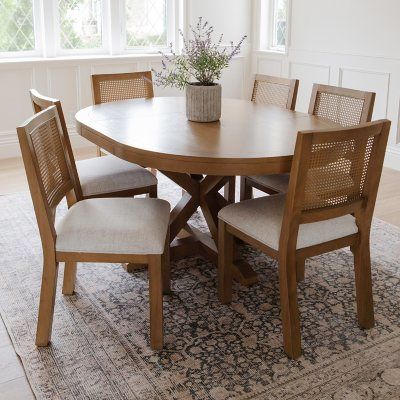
(281, 92)
(124, 86)
(104, 230)
(328, 206)
(100, 176)
(346, 107)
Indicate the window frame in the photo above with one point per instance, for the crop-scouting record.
(104, 49)
(47, 32)
(273, 25)
(37, 31)
(265, 13)
(171, 15)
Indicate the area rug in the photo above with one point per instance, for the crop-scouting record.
(100, 343)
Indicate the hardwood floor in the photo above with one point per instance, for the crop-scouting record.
(13, 383)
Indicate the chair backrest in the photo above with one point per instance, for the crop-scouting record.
(280, 92)
(347, 107)
(115, 87)
(335, 173)
(47, 167)
(40, 103)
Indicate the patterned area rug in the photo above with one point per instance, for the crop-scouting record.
(100, 346)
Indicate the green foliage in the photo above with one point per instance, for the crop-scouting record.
(202, 59)
(16, 25)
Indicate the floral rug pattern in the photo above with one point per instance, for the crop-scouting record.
(100, 344)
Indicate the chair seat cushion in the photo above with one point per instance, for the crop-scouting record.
(114, 226)
(261, 219)
(277, 182)
(110, 174)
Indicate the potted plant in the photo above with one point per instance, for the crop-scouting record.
(197, 70)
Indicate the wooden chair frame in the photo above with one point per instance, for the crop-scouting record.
(292, 84)
(96, 89)
(40, 103)
(159, 273)
(368, 97)
(97, 79)
(291, 261)
(247, 184)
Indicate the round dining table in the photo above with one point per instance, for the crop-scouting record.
(250, 139)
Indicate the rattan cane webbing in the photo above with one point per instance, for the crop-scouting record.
(344, 110)
(271, 93)
(124, 89)
(337, 172)
(50, 157)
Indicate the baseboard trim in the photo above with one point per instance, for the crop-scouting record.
(392, 159)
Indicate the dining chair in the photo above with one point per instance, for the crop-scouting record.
(124, 86)
(101, 230)
(100, 176)
(329, 205)
(281, 92)
(347, 107)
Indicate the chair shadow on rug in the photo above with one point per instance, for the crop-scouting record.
(105, 230)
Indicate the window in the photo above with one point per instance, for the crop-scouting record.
(146, 24)
(17, 32)
(80, 24)
(273, 24)
(67, 27)
(279, 25)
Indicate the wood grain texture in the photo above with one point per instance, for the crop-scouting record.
(249, 139)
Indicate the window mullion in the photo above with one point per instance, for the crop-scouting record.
(115, 26)
(49, 13)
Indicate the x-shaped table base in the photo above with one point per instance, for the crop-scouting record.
(186, 240)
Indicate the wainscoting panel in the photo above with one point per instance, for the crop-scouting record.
(15, 104)
(64, 83)
(377, 82)
(377, 74)
(269, 66)
(308, 74)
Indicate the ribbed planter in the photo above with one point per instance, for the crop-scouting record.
(203, 103)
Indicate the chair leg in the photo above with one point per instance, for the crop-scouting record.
(300, 269)
(47, 300)
(69, 278)
(166, 268)
(362, 269)
(290, 311)
(156, 302)
(153, 192)
(230, 190)
(98, 151)
(246, 191)
(225, 260)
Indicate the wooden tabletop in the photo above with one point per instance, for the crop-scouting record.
(249, 139)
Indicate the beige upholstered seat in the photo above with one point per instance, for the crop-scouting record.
(101, 175)
(262, 219)
(114, 226)
(278, 182)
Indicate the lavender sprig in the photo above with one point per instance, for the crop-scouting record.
(201, 59)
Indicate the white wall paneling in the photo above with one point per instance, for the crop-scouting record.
(68, 78)
(308, 74)
(342, 43)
